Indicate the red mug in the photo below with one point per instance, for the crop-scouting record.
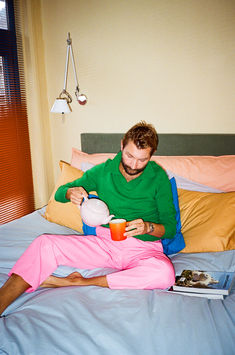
(117, 229)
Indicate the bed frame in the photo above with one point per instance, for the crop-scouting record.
(169, 144)
(100, 321)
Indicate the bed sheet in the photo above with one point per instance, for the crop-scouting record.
(93, 320)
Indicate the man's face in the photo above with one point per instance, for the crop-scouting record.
(134, 160)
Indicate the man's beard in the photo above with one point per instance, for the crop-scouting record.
(130, 171)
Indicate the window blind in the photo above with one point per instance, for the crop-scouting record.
(16, 183)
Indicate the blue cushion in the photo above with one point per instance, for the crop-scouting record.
(176, 244)
(170, 246)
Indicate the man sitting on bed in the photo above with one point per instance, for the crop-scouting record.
(134, 188)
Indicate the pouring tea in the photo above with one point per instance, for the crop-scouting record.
(95, 212)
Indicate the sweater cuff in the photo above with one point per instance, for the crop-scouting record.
(170, 231)
(60, 194)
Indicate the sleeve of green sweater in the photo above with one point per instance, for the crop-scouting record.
(166, 206)
(88, 181)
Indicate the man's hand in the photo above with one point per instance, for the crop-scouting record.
(136, 227)
(76, 195)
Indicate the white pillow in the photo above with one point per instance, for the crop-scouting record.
(186, 184)
(181, 182)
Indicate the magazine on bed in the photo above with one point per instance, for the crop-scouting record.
(212, 296)
(204, 282)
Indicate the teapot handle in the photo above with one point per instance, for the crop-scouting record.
(108, 219)
(84, 200)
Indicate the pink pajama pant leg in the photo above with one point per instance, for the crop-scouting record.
(140, 265)
(48, 251)
(148, 274)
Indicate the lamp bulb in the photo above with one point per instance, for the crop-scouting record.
(82, 99)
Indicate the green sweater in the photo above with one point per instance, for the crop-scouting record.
(148, 196)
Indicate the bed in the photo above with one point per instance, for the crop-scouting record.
(93, 320)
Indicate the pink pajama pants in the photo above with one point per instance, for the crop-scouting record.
(139, 264)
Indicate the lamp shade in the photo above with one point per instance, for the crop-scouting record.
(61, 106)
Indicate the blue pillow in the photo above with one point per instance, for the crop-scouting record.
(170, 246)
(176, 244)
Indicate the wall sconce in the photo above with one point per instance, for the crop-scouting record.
(62, 103)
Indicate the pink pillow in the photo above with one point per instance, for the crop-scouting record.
(214, 171)
(79, 157)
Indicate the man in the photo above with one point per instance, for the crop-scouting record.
(134, 188)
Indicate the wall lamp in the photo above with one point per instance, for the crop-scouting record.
(62, 103)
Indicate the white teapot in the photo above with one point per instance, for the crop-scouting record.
(95, 212)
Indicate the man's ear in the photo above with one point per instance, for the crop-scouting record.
(121, 145)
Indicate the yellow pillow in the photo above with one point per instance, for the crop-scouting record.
(208, 221)
(66, 214)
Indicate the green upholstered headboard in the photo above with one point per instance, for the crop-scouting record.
(169, 144)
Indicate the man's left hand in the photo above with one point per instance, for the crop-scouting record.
(136, 227)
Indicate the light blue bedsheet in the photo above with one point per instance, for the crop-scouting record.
(93, 320)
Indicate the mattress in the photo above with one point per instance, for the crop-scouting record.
(94, 320)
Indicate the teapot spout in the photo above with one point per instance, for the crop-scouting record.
(108, 219)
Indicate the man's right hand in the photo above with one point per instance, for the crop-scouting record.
(76, 195)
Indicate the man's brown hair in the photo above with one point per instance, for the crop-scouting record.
(143, 135)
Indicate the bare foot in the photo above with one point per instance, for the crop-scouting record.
(74, 279)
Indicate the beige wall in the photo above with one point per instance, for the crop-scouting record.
(170, 62)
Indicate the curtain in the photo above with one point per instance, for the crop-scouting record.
(16, 183)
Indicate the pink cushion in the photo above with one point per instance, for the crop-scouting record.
(79, 157)
(217, 172)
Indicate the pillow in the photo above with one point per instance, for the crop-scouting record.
(181, 182)
(186, 184)
(79, 157)
(214, 171)
(66, 214)
(176, 244)
(208, 223)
